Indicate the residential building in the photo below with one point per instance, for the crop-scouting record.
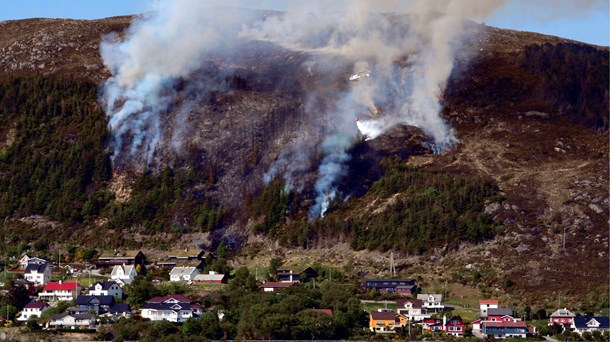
(500, 314)
(563, 317)
(273, 286)
(173, 308)
(390, 285)
(386, 321)
(583, 324)
(186, 254)
(287, 276)
(432, 302)
(430, 325)
(504, 329)
(26, 260)
(119, 310)
(211, 277)
(56, 291)
(38, 273)
(72, 321)
(98, 304)
(30, 286)
(412, 308)
(486, 304)
(123, 274)
(454, 326)
(113, 258)
(32, 309)
(106, 288)
(308, 273)
(183, 273)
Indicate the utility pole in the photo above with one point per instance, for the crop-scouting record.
(392, 266)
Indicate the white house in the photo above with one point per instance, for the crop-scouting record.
(486, 304)
(73, 321)
(123, 274)
(38, 273)
(583, 324)
(412, 308)
(432, 302)
(26, 260)
(173, 308)
(183, 273)
(56, 291)
(106, 288)
(32, 309)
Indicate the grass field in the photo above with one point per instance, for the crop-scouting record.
(370, 306)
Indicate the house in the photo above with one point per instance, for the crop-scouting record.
(273, 286)
(30, 286)
(386, 321)
(454, 326)
(26, 260)
(563, 317)
(106, 288)
(123, 274)
(98, 304)
(412, 308)
(486, 304)
(308, 273)
(183, 273)
(72, 321)
(32, 309)
(186, 254)
(504, 329)
(173, 308)
(390, 285)
(211, 277)
(500, 314)
(56, 291)
(113, 258)
(119, 310)
(432, 302)
(287, 276)
(324, 311)
(583, 324)
(38, 273)
(430, 325)
(171, 263)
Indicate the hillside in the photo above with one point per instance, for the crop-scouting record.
(531, 166)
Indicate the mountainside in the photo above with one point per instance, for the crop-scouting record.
(522, 196)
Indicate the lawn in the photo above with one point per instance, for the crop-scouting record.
(371, 306)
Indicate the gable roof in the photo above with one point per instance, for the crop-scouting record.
(127, 269)
(400, 303)
(488, 302)
(383, 316)
(210, 277)
(59, 286)
(119, 308)
(500, 312)
(175, 297)
(186, 253)
(562, 313)
(180, 271)
(581, 322)
(87, 300)
(106, 285)
(167, 306)
(36, 305)
(35, 267)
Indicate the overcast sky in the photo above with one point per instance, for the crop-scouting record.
(563, 18)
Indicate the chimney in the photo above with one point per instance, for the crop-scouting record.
(61, 282)
(444, 322)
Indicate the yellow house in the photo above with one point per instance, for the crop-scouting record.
(386, 322)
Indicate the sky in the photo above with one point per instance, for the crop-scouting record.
(564, 18)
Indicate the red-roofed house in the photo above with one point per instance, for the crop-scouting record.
(326, 311)
(486, 304)
(32, 309)
(56, 291)
(430, 325)
(274, 286)
(454, 326)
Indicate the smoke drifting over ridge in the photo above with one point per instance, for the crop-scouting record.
(410, 57)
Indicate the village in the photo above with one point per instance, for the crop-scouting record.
(62, 297)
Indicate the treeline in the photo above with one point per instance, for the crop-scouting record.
(53, 155)
(432, 210)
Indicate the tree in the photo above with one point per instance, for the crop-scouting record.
(17, 296)
(274, 264)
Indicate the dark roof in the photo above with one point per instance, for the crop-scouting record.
(35, 267)
(417, 303)
(275, 284)
(106, 285)
(167, 306)
(119, 308)
(581, 321)
(22, 281)
(177, 297)
(500, 311)
(508, 324)
(87, 300)
(376, 315)
(36, 305)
